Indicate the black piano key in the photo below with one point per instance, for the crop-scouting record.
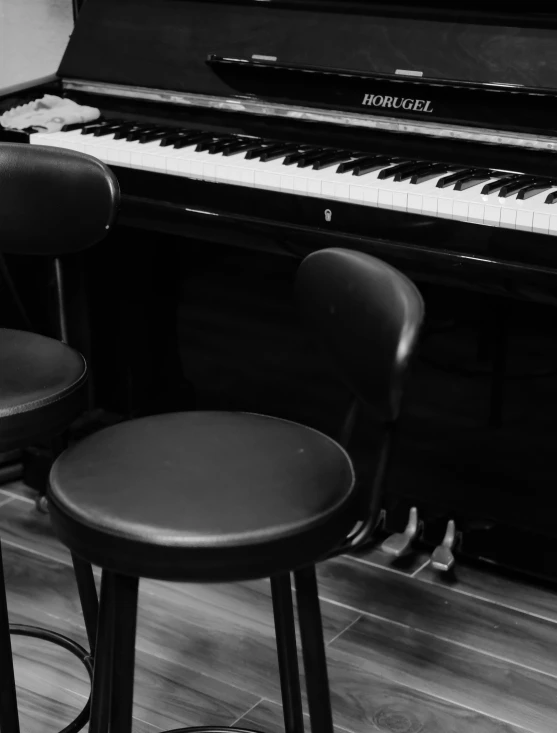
(411, 165)
(282, 151)
(374, 164)
(359, 159)
(171, 138)
(552, 198)
(136, 133)
(433, 171)
(515, 186)
(328, 160)
(533, 190)
(456, 177)
(474, 180)
(219, 145)
(498, 183)
(267, 146)
(107, 129)
(90, 129)
(180, 136)
(204, 145)
(409, 171)
(148, 137)
(81, 126)
(124, 130)
(310, 158)
(241, 147)
(187, 140)
(297, 157)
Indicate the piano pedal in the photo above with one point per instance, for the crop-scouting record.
(399, 543)
(442, 558)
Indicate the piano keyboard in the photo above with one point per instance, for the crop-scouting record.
(497, 198)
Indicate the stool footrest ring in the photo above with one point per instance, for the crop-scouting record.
(213, 729)
(76, 649)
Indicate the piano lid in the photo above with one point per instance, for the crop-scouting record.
(356, 55)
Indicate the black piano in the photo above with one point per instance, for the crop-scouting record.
(426, 136)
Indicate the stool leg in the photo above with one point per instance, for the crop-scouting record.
(313, 647)
(104, 654)
(123, 670)
(287, 653)
(9, 721)
(88, 597)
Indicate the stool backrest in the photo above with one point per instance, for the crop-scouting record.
(367, 316)
(53, 201)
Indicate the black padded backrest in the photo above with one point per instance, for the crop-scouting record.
(53, 201)
(367, 317)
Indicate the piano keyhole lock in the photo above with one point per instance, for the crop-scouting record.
(328, 215)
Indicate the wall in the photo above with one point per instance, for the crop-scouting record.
(33, 36)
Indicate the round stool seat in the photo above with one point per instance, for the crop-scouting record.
(42, 387)
(203, 496)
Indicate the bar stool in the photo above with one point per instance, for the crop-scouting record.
(209, 497)
(53, 202)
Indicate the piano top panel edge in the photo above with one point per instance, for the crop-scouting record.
(343, 118)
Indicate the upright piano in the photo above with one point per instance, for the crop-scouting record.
(423, 134)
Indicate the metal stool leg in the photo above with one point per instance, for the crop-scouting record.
(123, 663)
(8, 700)
(287, 654)
(112, 702)
(313, 647)
(88, 597)
(102, 674)
(9, 721)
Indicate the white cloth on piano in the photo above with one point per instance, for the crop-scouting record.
(48, 114)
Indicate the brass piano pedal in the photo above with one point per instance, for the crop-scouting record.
(399, 543)
(442, 558)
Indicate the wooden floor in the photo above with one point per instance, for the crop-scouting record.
(407, 653)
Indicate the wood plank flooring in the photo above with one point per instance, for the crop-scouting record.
(408, 651)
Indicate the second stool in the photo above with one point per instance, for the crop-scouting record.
(207, 497)
(53, 202)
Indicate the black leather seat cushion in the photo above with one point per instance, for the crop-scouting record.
(203, 496)
(42, 387)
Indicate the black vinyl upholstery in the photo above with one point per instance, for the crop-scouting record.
(203, 496)
(211, 496)
(54, 201)
(366, 317)
(42, 387)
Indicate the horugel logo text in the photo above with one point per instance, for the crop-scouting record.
(378, 100)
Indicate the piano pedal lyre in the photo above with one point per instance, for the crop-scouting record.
(399, 543)
(442, 558)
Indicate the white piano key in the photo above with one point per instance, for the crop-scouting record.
(400, 200)
(492, 215)
(286, 183)
(524, 220)
(460, 210)
(540, 223)
(356, 193)
(268, 174)
(370, 195)
(508, 218)
(341, 191)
